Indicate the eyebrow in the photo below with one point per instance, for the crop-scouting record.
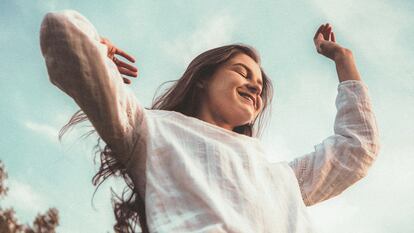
(248, 70)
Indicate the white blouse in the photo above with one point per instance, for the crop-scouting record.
(195, 176)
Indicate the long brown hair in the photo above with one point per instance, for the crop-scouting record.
(183, 96)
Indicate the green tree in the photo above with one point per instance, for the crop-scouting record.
(43, 223)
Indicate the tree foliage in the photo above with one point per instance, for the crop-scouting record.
(43, 223)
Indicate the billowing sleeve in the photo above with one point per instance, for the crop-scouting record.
(77, 64)
(345, 157)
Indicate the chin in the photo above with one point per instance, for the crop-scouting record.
(246, 115)
(238, 112)
(242, 118)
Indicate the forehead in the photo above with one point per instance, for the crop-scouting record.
(244, 60)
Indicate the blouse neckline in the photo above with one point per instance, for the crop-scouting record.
(209, 125)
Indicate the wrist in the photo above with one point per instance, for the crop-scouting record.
(343, 55)
(345, 65)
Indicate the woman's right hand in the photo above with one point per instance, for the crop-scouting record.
(123, 67)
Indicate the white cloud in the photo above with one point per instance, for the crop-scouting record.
(46, 130)
(338, 213)
(49, 5)
(210, 33)
(25, 200)
(51, 132)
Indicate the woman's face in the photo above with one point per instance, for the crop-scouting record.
(232, 94)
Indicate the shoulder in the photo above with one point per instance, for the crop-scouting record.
(168, 118)
(163, 114)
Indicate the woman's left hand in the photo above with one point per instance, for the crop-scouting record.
(325, 42)
(123, 67)
(326, 45)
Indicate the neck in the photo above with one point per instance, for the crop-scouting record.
(214, 119)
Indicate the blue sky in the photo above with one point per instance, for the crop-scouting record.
(164, 37)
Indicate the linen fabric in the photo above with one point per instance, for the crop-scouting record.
(195, 176)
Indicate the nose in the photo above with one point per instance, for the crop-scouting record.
(253, 88)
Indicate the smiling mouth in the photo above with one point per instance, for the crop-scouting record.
(247, 97)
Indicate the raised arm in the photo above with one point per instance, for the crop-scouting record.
(345, 157)
(77, 63)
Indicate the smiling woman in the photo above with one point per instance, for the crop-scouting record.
(233, 95)
(192, 161)
(210, 84)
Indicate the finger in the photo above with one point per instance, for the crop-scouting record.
(126, 65)
(126, 81)
(125, 55)
(323, 28)
(125, 71)
(318, 31)
(326, 32)
(333, 37)
(329, 34)
(111, 52)
(329, 31)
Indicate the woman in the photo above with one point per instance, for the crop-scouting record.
(193, 162)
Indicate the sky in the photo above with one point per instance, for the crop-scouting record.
(164, 37)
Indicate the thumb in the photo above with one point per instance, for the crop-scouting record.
(318, 42)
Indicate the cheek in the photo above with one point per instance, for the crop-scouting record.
(222, 91)
(219, 96)
(225, 87)
(259, 106)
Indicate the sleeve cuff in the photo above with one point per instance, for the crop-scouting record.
(356, 88)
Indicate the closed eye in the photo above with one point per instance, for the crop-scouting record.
(242, 74)
(240, 70)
